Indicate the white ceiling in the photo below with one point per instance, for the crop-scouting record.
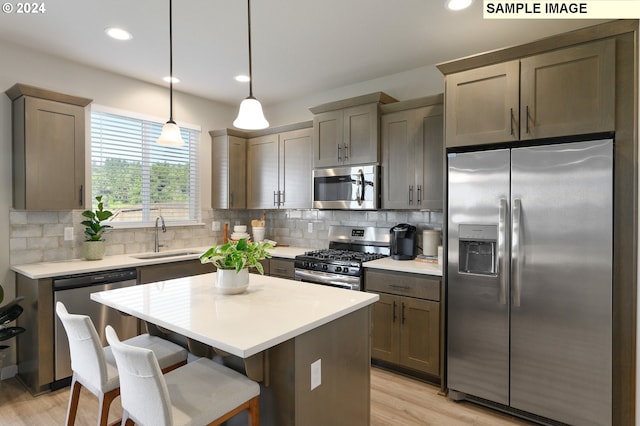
(299, 46)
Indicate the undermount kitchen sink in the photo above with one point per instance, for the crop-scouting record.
(165, 255)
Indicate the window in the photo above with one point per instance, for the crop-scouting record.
(139, 179)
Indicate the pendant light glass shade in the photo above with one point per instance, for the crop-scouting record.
(170, 135)
(250, 115)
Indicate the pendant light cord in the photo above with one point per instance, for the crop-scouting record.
(250, 68)
(170, 62)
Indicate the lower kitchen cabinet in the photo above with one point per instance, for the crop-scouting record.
(168, 271)
(282, 268)
(405, 322)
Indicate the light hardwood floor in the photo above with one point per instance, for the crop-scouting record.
(395, 401)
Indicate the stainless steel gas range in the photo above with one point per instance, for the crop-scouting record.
(341, 264)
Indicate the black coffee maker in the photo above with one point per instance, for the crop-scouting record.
(402, 240)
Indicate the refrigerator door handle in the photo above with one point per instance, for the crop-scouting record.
(502, 258)
(515, 252)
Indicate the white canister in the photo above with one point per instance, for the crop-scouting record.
(430, 242)
(258, 233)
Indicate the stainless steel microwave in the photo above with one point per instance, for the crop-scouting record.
(347, 188)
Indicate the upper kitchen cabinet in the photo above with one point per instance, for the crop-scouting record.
(347, 132)
(228, 169)
(563, 92)
(412, 154)
(48, 149)
(279, 168)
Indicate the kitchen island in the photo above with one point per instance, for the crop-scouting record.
(308, 345)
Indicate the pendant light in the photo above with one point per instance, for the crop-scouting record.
(250, 115)
(170, 135)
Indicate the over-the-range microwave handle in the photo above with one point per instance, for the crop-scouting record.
(515, 252)
(361, 185)
(502, 252)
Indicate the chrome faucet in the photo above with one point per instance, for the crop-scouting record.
(156, 246)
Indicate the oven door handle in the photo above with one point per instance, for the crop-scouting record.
(317, 277)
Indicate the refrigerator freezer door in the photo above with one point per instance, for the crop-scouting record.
(561, 330)
(478, 314)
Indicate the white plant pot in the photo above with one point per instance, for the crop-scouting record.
(228, 281)
(93, 250)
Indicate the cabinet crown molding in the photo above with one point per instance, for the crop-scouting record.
(256, 133)
(581, 35)
(379, 97)
(19, 89)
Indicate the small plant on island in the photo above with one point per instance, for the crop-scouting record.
(237, 255)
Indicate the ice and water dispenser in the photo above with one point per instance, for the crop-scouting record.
(477, 250)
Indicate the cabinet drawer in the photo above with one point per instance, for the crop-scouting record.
(283, 268)
(400, 283)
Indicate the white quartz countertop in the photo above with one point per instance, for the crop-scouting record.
(271, 311)
(79, 266)
(412, 266)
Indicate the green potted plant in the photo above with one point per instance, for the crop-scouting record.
(233, 260)
(93, 245)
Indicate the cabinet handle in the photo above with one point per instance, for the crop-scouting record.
(231, 198)
(339, 153)
(275, 199)
(81, 195)
(410, 194)
(280, 198)
(346, 151)
(403, 318)
(511, 121)
(419, 194)
(394, 311)
(526, 118)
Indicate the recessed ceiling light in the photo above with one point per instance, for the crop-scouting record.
(242, 78)
(118, 33)
(458, 4)
(169, 79)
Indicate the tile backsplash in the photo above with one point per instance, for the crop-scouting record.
(39, 236)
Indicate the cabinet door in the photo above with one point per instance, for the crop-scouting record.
(361, 135)
(237, 172)
(400, 131)
(482, 105)
(569, 91)
(327, 138)
(385, 328)
(420, 335)
(262, 172)
(52, 150)
(429, 180)
(295, 169)
(228, 172)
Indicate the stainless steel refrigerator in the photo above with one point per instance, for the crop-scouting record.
(529, 279)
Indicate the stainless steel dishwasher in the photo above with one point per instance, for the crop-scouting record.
(74, 291)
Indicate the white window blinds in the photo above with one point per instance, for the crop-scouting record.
(139, 179)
